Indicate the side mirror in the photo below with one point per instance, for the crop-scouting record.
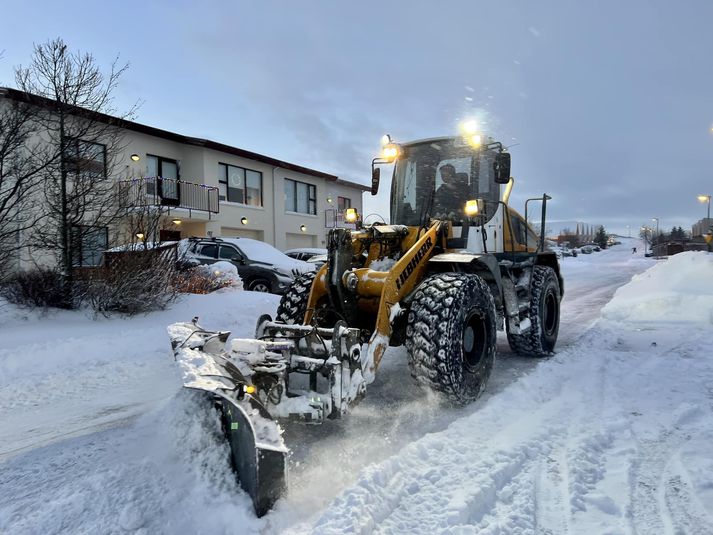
(237, 258)
(502, 168)
(375, 177)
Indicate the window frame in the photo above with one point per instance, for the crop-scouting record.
(341, 206)
(311, 197)
(151, 185)
(159, 167)
(72, 166)
(78, 246)
(223, 179)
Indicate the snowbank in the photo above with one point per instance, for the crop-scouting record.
(679, 290)
(223, 273)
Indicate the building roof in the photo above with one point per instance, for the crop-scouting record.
(22, 96)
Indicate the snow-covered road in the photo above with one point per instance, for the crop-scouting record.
(608, 436)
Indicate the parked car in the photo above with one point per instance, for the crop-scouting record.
(562, 250)
(261, 267)
(306, 253)
(318, 260)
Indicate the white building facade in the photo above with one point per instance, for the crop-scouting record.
(206, 188)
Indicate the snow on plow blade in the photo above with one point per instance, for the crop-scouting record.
(258, 452)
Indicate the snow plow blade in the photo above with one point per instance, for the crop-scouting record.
(258, 452)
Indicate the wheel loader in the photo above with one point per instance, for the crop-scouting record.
(454, 265)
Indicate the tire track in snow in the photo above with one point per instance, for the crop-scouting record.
(686, 513)
(661, 496)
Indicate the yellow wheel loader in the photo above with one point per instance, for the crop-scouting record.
(455, 265)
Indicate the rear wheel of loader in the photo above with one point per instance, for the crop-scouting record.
(544, 315)
(451, 335)
(293, 304)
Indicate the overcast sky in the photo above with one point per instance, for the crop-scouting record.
(609, 105)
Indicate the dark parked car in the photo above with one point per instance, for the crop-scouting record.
(261, 267)
(306, 253)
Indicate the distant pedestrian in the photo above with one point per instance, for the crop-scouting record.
(633, 250)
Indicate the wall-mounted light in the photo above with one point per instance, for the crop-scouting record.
(329, 200)
(244, 220)
(135, 157)
(140, 235)
(303, 228)
(176, 221)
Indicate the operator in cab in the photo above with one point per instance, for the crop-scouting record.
(451, 195)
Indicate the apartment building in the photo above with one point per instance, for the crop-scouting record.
(207, 188)
(701, 227)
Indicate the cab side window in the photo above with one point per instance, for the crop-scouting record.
(519, 229)
(533, 241)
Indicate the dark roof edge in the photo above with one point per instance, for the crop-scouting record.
(15, 94)
(358, 185)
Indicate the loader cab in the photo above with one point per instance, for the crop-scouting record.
(434, 178)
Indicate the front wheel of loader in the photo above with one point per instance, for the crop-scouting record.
(293, 304)
(451, 335)
(544, 315)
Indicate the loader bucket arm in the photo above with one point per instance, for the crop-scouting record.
(398, 283)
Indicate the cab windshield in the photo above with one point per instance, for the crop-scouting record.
(436, 178)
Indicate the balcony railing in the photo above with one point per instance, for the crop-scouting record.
(334, 218)
(158, 191)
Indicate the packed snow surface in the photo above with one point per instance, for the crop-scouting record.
(610, 435)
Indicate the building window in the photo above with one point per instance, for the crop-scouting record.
(163, 167)
(237, 184)
(157, 166)
(88, 245)
(300, 197)
(85, 158)
(343, 203)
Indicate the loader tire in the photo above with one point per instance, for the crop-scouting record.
(293, 305)
(451, 335)
(544, 314)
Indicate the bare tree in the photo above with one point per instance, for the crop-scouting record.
(22, 163)
(76, 117)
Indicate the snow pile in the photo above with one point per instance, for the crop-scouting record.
(383, 264)
(677, 290)
(222, 274)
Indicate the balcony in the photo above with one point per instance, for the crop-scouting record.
(171, 193)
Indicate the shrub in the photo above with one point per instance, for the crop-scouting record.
(206, 278)
(36, 288)
(134, 282)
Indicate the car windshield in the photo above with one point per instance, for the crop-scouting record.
(436, 178)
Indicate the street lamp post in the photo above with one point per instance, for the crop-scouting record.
(707, 198)
(657, 236)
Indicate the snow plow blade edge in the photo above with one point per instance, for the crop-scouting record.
(258, 453)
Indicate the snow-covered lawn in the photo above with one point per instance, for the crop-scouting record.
(611, 435)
